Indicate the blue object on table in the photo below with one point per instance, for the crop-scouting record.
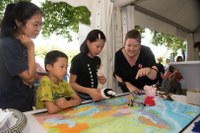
(196, 127)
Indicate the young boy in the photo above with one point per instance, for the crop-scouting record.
(53, 92)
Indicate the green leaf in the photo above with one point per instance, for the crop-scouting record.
(61, 18)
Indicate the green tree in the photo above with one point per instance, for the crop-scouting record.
(141, 30)
(3, 4)
(60, 18)
(171, 42)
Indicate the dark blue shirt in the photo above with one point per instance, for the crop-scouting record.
(13, 60)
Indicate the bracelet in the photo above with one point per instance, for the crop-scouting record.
(154, 69)
(122, 83)
(158, 73)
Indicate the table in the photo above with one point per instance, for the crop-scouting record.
(114, 115)
(33, 126)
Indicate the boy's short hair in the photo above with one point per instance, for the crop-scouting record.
(52, 56)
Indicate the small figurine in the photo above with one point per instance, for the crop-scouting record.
(150, 92)
(132, 102)
(164, 95)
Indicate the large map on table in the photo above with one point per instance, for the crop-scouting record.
(115, 116)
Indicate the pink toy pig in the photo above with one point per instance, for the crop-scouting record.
(150, 92)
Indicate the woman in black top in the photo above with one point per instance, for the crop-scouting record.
(135, 64)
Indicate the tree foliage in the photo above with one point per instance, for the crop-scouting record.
(60, 18)
(141, 30)
(171, 42)
(3, 4)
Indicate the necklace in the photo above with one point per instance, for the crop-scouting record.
(131, 63)
(130, 60)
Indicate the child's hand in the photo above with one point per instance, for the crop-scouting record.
(61, 102)
(95, 95)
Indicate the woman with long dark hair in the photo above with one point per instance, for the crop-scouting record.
(22, 21)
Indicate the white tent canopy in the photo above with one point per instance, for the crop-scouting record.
(183, 14)
(175, 17)
(116, 17)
